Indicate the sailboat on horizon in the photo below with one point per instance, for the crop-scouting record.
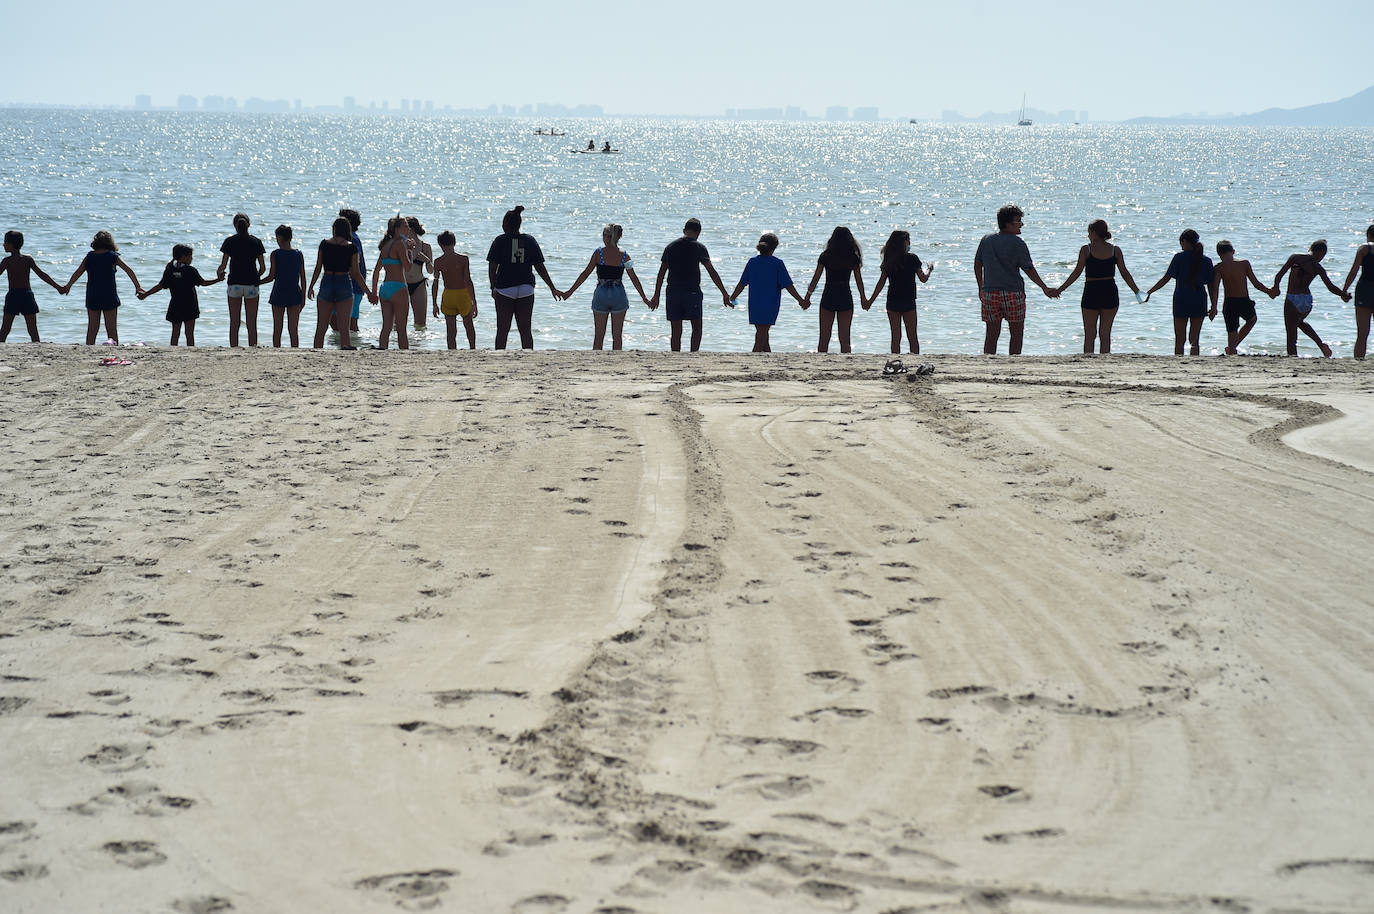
(1023, 121)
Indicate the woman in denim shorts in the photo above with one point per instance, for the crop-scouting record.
(609, 299)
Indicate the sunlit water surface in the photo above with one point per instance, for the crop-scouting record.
(158, 178)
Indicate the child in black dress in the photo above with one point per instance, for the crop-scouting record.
(181, 279)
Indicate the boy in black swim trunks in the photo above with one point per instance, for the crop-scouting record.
(1237, 276)
(19, 299)
(681, 263)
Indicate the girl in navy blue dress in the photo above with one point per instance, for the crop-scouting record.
(766, 276)
(1192, 272)
(102, 298)
(286, 273)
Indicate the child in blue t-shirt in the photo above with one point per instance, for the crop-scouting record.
(766, 276)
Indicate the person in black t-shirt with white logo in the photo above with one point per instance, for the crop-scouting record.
(244, 256)
(512, 261)
(681, 263)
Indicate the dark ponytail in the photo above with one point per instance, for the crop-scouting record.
(1195, 245)
(510, 223)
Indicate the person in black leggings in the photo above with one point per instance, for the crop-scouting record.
(512, 261)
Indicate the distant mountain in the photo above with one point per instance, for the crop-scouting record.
(1355, 111)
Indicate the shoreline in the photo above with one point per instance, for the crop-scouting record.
(546, 631)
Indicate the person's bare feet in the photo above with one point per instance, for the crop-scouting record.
(1326, 350)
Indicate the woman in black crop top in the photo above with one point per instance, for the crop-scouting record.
(609, 301)
(337, 259)
(1099, 259)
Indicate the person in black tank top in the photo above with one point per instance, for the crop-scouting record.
(900, 270)
(1099, 260)
(840, 259)
(1364, 290)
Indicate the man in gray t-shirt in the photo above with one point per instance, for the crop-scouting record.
(998, 265)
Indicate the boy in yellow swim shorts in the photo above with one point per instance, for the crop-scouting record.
(460, 297)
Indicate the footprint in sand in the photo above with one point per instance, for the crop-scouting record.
(202, 904)
(142, 797)
(776, 745)
(16, 831)
(415, 891)
(1361, 867)
(834, 680)
(136, 855)
(541, 904)
(27, 872)
(119, 758)
(846, 713)
(1038, 834)
(773, 786)
(832, 894)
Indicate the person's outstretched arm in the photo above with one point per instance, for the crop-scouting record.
(715, 278)
(544, 275)
(1035, 278)
(1163, 281)
(1355, 267)
(119, 262)
(1125, 273)
(634, 278)
(356, 274)
(859, 284)
(314, 277)
(1339, 293)
(1251, 278)
(815, 281)
(43, 276)
(80, 268)
(591, 265)
(882, 281)
(658, 284)
(1077, 270)
(1287, 265)
(271, 268)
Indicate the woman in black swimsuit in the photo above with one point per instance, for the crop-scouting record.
(421, 261)
(840, 259)
(1099, 259)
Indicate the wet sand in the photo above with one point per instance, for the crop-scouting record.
(637, 632)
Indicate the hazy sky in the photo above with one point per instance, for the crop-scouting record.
(1113, 60)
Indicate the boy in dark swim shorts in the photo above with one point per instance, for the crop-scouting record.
(1236, 276)
(681, 262)
(19, 299)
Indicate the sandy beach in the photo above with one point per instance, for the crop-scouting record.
(581, 632)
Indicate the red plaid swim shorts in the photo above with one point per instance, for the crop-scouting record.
(999, 305)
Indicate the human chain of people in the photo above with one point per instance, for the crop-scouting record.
(405, 263)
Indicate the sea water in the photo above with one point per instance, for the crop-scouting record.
(155, 179)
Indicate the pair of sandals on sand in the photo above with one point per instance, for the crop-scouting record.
(895, 366)
(114, 360)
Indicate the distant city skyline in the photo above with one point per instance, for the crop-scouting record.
(408, 106)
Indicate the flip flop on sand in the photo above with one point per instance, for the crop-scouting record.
(925, 368)
(113, 360)
(894, 366)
